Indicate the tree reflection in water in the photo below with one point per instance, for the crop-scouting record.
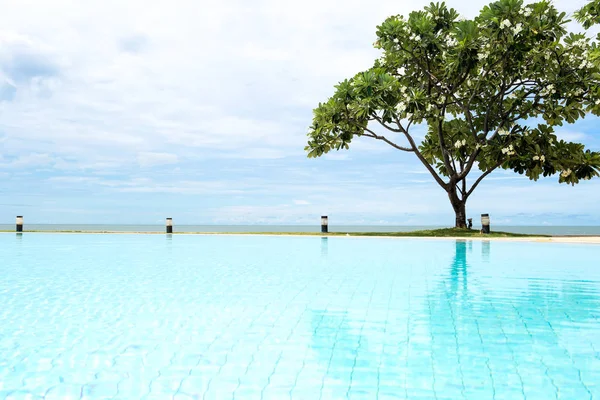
(488, 333)
(509, 338)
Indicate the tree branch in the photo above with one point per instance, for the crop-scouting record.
(486, 173)
(443, 146)
(465, 170)
(432, 171)
(380, 137)
(387, 126)
(481, 79)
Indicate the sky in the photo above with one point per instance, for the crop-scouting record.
(133, 111)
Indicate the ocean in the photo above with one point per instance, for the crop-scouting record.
(542, 230)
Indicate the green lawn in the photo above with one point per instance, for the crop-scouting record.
(445, 232)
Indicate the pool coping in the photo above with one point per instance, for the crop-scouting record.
(589, 239)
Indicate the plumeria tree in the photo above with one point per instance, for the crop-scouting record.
(489, 90)
(589, 14)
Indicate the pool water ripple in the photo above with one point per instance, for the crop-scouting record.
(257, 317)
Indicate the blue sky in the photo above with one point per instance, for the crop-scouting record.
(134, 111)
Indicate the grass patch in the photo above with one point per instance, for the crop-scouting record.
(451, 232)
(445, 232)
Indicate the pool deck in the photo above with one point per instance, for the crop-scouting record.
(563, 239)
(589, 239)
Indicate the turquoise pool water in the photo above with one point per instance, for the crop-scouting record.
(250, 317)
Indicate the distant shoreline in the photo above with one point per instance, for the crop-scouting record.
(541, 230)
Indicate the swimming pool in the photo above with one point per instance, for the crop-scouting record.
(261, 317)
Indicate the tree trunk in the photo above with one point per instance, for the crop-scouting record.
(459, 206)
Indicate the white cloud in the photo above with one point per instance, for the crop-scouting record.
(260, 53)
(151, 159)
(110, 79)
(180, 187)
(301, 202)
(211, 88)
(570, 136)
(30, 160)
(337, 156)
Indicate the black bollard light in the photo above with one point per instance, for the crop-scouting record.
(485, 223)
(324, 228)
(169, 225)
(19, 223)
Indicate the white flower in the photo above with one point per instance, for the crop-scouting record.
(518, 28)
(548, 90)
(503, 132)
(482, 56)
(505, 24)
(401, 71)
(535, 158)
(396, 40)
(460, 143)
(598, 102)
(400, 107)
(451, 41)
(542, 159)
(509, 151)
(566, 172)
(409, 115)
(527, 12)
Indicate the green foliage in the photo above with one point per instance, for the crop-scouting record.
(490, 90)
(589, 14)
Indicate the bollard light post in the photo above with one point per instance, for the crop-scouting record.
(485, 223)
(324, 222)
(19, 223)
